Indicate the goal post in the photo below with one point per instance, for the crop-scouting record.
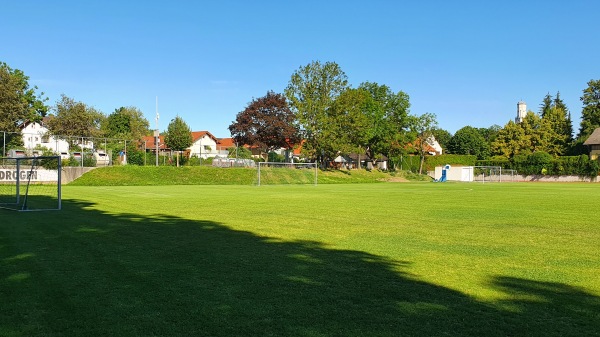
(486, 174)
(275, 173)
(30, 183)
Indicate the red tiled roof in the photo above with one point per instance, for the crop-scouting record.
(199, 134)
(150, 144)
(225, 143)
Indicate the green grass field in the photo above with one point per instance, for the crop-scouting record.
(388, 259)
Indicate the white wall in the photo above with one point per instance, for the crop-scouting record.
(200, 150)
(33, 135)
(455, 173)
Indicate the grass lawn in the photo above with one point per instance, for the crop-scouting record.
(387, 259)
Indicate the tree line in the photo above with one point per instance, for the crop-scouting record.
(550, 130)
(72, 120)
(319, 111)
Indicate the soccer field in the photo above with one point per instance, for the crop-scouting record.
(388, 259)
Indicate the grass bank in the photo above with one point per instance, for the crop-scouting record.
(207, 175)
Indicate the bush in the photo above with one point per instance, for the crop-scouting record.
(453, 159)
(543, 163)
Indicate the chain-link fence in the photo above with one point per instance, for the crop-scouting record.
(97, 151)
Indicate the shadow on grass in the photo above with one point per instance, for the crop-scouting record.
(87, 273)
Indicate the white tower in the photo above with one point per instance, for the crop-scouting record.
(521, 111)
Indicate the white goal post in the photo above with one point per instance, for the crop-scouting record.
(274, 173)
(487, 174)
(30, 183)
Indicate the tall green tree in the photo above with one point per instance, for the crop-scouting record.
(349, 129)
(422, 127)
(126, 123)
(19, 103)
(533, 134)
(311, 92)
(468, 140)
(558, 133)
(267, 123)
(179, 135)
(75, 120)
(547, 103)
(387, 113)
(590, 115)
(510, 141)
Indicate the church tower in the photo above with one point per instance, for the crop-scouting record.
(521, 111)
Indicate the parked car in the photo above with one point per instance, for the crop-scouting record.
(17, 153)
(102, 159)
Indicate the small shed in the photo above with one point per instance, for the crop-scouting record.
(455, 173)
(593, 142)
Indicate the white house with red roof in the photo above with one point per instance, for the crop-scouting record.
(36, 135)
(204, 145)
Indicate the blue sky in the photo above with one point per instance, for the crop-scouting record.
(468, 62)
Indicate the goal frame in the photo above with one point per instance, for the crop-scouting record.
(21, 173)
(285, 165)
(497, 174)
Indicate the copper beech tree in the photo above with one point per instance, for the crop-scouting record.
(267, 124)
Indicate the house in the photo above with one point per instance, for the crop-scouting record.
(225, 143)
(434, 149)
(148, 143)
(204, 145)
(37, 135)
(593, 142)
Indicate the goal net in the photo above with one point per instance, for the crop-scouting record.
(486, 174)
(269, 173)
(30, 183)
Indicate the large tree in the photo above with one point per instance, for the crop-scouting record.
(311, 91)
(267, 123)
(179, 135)
(422, 127)
(19, 103)
(75, 120)
(558, 130)
(510, 141)
(533, 134)
(387, 113)
(590, 115)
(126, 123)
(555, 112)
(349, 128)
(468, 140)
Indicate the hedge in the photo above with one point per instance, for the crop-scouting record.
(535, 163)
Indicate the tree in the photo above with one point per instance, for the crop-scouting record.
(311, 92)
(19, 103)
(510, 141)
(590, 115)
(422, 127)
(387, 116)
(558, 136)
(126, 123)
(560, 121)
(178, 136)
(546, 104)
(468, 140)
(267, 123)
(75, 120)
(533, 134)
